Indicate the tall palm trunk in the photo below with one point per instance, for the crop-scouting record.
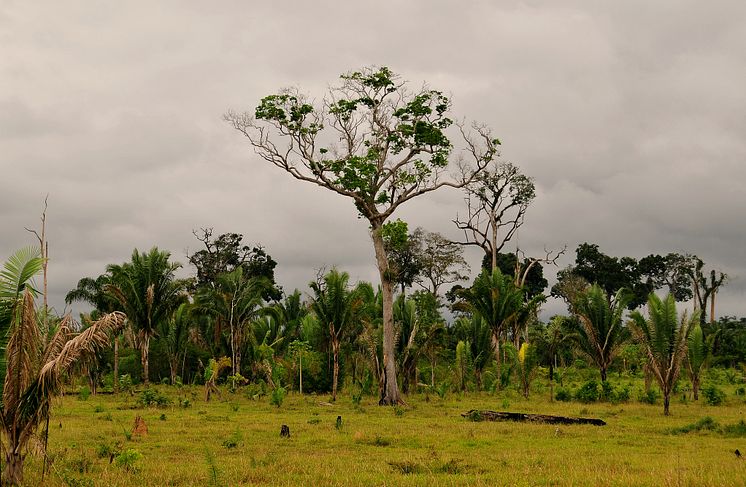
(335, 353)
(116, 364)
(145, 358)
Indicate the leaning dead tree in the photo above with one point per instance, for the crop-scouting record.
(522, 269)
(496, 202)
(377, 143)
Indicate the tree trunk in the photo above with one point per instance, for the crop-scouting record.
(173, 365)
(695, 387)
(390, 395)
(144, 359)
(335, 375)
(498, 358)
(300, 372)
(666, 402)
(478, 379)
(13, 468)
(603, 374)
(116, 364)
(712, 307)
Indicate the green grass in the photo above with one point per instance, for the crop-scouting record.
(425, 443)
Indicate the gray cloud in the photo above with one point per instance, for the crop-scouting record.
(629, 115)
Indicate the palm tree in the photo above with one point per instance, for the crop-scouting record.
(33, 372)
(476, 334)
(601, 333)
(665, 340)
(499, 302)
(699, 350)
(175, 333)
(235, 300)
(148, 292)
(336, 307)
(94, 292)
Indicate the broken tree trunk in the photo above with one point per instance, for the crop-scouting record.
(477, 415)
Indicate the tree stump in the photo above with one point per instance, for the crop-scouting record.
(140, 428)
(285, 431)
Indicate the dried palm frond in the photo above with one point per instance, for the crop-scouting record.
(23, 345)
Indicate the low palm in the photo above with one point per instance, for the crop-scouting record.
(664, 338)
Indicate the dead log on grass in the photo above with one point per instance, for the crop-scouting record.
(477, 415)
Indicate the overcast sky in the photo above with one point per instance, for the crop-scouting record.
(631, 117)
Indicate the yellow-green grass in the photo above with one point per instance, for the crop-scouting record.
(425, 443)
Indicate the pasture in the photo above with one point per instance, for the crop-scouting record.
(235, 440)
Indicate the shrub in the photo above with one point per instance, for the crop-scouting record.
(128, 460)
(563, 395)
(621, 395)
(151, 397)
(714, 396)
(357, 397)
(84, 393)
(607, 391)
(650, 396)
(125, 383)
(256, 390)
(588, 392)
(277, 396)
(98, 409)
(704, 424)
(737, 430)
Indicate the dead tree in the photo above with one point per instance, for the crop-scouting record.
(496, 203)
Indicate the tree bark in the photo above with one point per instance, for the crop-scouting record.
(695, 387)
(603, 374)
(144, 359)
(390, 395)
(335, 375)
(116, 364)
(666, 402)
(13, 468)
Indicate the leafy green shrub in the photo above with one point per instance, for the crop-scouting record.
(125, 383)
(128, 460)
(277, 396)
(185, 403)
(714, 396)
(651, 396)
(98, 409)
(737, 430)
(84, 393)
(398, 411)
(442, 389)
(607, 391)
(620, 394)
(256, 390)
(741, 391)
(357, 397)
(588, 392)
(563, 395)
(151, 397)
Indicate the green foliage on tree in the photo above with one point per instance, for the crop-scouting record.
(601, 333)
(148, 292)
(665, 339)
(393, 146)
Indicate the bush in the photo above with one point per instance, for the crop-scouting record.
(256, 390)
(714, 396)
(704, 424)
(151, 397)
(588, 392)
(125, 383)
(84, 393)
(277, 396)
(621, 395)
(128, 459)
(649, 397)
(563, 395)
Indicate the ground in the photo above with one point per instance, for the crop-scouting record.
(236, 441)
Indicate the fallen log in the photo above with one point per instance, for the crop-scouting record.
(477, 415)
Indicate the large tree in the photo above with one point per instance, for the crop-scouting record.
(227, 252)
(376, 142)
(148, 292)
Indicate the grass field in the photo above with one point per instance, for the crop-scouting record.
(236, 441)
